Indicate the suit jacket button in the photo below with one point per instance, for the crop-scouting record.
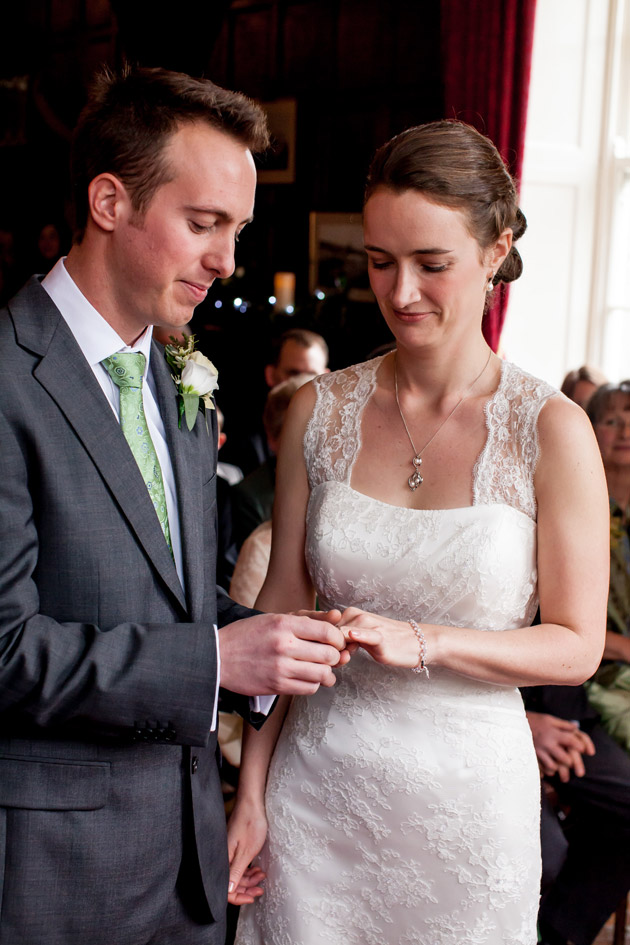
(194, 764)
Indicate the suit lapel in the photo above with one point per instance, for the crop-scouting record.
(184, 449)
(68, 378)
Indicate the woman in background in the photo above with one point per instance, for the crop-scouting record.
(609, 691)
(580, 385)
(434, 495)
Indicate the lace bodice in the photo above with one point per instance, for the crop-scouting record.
(504, 472)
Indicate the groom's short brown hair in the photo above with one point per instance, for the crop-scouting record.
(130, 116)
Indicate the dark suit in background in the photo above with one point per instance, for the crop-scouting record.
(586, 866)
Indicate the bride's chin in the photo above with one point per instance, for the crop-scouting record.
(416, 343)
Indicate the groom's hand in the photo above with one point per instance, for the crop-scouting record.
(287, 654)
(332, 616)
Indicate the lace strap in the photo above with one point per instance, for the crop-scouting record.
(332, 440)
(504, 473)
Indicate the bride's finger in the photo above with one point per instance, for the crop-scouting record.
(345, 655)
(252, 876)
(331, 616)
(349, 614)
(365, 637)
(244, 897)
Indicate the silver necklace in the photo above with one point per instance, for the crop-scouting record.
(415, 479)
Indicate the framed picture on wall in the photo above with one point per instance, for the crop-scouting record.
(337, 260)
(278, 164)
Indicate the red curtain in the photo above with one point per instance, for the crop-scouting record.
(486, 57)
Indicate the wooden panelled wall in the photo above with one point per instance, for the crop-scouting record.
(359, 70)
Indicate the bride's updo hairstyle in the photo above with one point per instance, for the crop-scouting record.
(454, 165)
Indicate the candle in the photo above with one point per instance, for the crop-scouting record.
(284, 291)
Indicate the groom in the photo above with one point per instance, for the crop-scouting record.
(111, 818)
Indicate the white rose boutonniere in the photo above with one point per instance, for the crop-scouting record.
(196, 378)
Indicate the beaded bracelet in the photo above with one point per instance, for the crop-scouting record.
(421, 667)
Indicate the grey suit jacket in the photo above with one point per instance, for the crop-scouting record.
(107, 668)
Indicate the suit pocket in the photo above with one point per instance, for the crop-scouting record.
(41, 784)
(209, 491)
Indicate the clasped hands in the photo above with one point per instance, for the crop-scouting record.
(294, 654)
(387, 640)
(559, 745)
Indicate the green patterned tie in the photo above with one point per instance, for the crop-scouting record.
(127, 370)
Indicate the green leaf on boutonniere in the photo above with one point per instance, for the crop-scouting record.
(191, 408)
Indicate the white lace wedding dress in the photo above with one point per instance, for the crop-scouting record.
(405, 810)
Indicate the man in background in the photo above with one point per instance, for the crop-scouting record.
(297, 351)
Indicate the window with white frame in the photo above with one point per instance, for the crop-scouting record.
(615, 294)
(564, 311)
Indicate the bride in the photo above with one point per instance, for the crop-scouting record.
(433, 495)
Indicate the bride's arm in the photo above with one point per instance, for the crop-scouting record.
(247, 826)
(287, 588)
(573, 561)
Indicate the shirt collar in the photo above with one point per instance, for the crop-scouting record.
(94, 335)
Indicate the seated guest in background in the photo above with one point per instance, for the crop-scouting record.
(253, 560)
(586, 868)
(252, 499)
(580, 385)
(251, 565)
(297, 351)
(609, 690)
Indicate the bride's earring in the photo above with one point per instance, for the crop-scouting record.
(490, 283)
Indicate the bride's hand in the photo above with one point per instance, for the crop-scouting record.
(332, 616)
(387, 641)
(247, 830)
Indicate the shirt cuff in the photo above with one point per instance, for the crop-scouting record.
(261, 704)
(216, 691)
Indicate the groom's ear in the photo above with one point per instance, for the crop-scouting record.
(270, 372)
(108, 201)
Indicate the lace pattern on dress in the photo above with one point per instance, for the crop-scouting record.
(504, 472)
(332, 440)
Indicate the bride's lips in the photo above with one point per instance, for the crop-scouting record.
(412, 316)
(196, 289)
